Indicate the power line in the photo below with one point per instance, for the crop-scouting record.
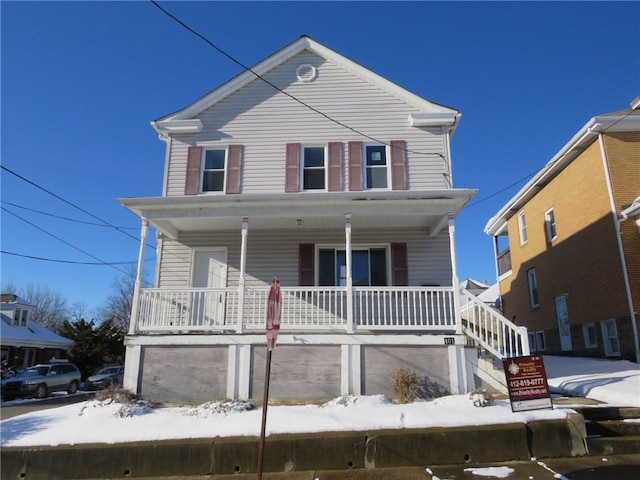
(257, 75)
(63, 241)
(8, 170)
(64, 218)
(55, 260)
(503, 189)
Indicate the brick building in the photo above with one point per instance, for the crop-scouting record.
(571, 270)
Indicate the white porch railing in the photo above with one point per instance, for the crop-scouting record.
(491, 330)
(303, 308)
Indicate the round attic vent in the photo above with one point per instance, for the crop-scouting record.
(306, 72)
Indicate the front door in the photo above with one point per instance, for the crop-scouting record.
(209, 272)
(563, 324)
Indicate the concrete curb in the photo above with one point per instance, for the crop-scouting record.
(298, 453)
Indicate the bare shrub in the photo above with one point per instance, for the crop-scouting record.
(404, 383)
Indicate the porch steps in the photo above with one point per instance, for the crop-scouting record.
(612, 430)
(489, 373)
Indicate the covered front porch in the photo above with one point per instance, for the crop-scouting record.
(403, 295)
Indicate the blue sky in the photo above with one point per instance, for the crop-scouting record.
(81, 81)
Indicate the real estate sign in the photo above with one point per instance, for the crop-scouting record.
(527, 383)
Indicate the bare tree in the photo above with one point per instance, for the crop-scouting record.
(117, 307)
(78, 311)
(51, 307)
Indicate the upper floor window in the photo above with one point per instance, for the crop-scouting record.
(550, 224)
(522, 228)
(213, 170)
(313, 168)
(533, 287)
(376, 166)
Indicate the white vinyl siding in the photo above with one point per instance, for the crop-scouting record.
(247, 117)
(272, 253)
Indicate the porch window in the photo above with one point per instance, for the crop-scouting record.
(313, 168)
(522, 228)
(550, 224)
(610, 338)
(533, 287)
(213, 170)
(369, 267)
(376, 167)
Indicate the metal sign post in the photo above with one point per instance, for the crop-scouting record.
(274, 308)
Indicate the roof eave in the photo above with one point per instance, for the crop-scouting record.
(585, 136)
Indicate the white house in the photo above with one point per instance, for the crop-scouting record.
(24, 342)
(312, 169)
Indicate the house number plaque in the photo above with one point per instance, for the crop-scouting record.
(449, 340)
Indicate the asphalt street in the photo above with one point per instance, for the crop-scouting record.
(20, 407)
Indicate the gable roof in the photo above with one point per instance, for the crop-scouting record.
(184, 121)
(13, 299)
(33, 335)
(620, 121)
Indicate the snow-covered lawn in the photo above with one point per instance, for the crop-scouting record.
(109, 422)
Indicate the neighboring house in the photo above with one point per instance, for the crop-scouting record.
(571, 272)
(273, 177)
(24, 342)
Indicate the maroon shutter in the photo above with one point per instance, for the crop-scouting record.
(306, 264)
(398, 165)
(335, 166)
(192, 182)
(399, 264)
(234, 168)
(292, 173)
(355, 166)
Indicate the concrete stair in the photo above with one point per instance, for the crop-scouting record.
(612, 430)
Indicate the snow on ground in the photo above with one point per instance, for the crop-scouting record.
(109, 422)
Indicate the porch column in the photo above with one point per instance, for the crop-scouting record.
(349, 279)
(454, 270)
(135, 303)
(241, 280)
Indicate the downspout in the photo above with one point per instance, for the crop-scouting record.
(241, 280)
(135, 302)
(349, 279)
(623, 261)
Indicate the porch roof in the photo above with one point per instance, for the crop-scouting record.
(426, 209)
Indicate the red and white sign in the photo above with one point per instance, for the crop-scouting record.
(274, 309)
(527, 383)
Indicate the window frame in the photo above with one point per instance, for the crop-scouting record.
(550, 225)
(522, 228)
(587, 338)
(532, 285)
(532, 341)
(354, 247)
(203, 170)
(387, 166)
(608, 351)
(541, 341)
(325, 168)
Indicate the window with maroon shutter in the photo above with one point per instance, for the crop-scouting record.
(292, 168)
(398, 165)
(399, 264)
(355, 166)
(234, 168)
(192, 181)
(306, 254)
(335, 166)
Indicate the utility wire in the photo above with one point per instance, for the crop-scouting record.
(257, 75)
(64, 218)
(55, 260)
(8, 170)
(63, 241)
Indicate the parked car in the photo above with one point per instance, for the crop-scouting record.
(42, 379)
(105, 378)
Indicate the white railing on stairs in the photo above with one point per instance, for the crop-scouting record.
(490, 330)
